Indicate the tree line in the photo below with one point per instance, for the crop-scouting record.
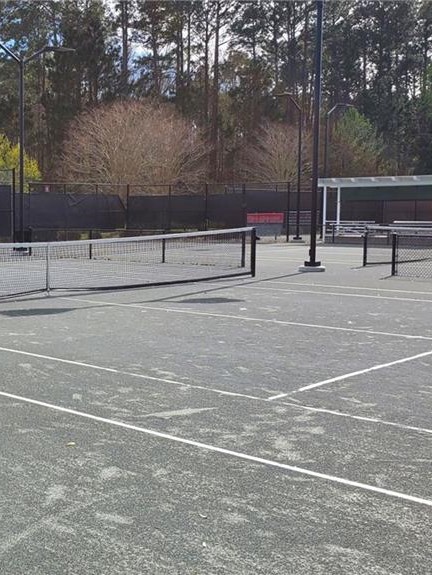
(218, 65)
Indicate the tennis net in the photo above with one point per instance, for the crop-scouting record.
(126, 262)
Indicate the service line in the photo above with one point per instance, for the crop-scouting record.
(228, 452)
(361, 372)
(186, 385)
(339, 294)
(248, 318)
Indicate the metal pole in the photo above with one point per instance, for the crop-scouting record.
(253, 253)
(244, 206)
(326, 142)
(206, 218)
(14, 239)
(287, 223)
(323, 200)
(127, 205)
(169, 208)
(365, 247)
(395, 239)
(299, 160)
(316, 133)
(21, 148)
(324, 212)
(21, 63)
(338, 209)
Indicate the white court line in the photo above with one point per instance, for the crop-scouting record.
(348, 287)
(278, 396)
(246, 318)
(356, 417)
(362, 371)
(341, 294)
(121, 372)
(299, 261)
(214, 390)
(223, 451)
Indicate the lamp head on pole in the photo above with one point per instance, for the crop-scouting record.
(45, 49)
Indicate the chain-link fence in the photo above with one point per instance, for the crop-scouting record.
(412, 254)
(52, 208)
(377, 245)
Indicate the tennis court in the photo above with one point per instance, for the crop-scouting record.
(277, 424)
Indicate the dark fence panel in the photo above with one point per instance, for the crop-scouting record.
(266, 201)
(399, 210)
(148, 212)
(380, 211)
(77, 207)
(200, 211)
(63, 211)
(187, 211)
(359, 211)
(423, 210)
(6, 212)
(226, 211)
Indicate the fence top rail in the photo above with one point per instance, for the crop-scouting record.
(116, 184)
(140, 239)
(344, 223)
(411, 223)
(398, 229)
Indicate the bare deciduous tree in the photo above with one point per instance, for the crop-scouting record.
(133, 142)
(274, 156)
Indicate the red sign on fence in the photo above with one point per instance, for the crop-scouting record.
(265, 218)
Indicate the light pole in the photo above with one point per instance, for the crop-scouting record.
(336, 107)
(299, 158)
(21, 63)
(312, 264)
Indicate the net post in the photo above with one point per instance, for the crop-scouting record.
(365, 246)
(394, 254)
(243, 249)
(47, 270)
(90, 245)
(163, 250)
(253, 252)
(287, 221)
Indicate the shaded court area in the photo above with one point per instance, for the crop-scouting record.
(270, 425)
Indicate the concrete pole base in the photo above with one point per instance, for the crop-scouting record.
(305, 268)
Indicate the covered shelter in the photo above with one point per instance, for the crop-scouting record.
(408, 191)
